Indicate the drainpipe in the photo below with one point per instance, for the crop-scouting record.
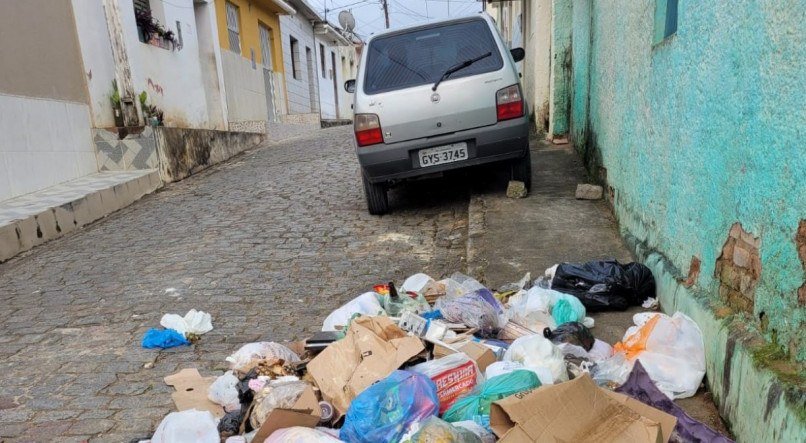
(123, 72)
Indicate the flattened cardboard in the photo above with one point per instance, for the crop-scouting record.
(372, 348)
(667, 421)
(191, 391)
(306, 413)
(576, 410)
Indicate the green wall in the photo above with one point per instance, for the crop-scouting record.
(705, 129)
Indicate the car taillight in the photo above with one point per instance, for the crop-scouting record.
(368, 130)
(509, 103)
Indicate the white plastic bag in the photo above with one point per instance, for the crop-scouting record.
(299, 434)
(453, 288)
(532, 309)
(190, 426)
(364, 304)
(470, 284)
(540, 355)
(223, 391)
(281, 395)
(416, 283)
(259, 351)
(601, 350)
(671, 350)
(194, 322)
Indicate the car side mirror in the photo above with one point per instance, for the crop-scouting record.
(349, 86)
(518, 54)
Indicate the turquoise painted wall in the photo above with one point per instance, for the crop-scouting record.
(705, 129)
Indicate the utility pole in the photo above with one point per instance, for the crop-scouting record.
(386, 12)
(449, 8)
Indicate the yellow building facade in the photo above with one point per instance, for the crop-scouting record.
(248, 27)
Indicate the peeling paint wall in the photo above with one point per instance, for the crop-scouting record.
(699, 132)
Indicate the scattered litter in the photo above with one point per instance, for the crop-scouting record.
(540, 355)
(671, 350)
(453, 375)
(475, 406)
(163, 339)
(432, 429)
(578, 410)
(650, 303)
(190, 426)
(371, 350)
(641, 387)
(298, 434)
(604, 285)
(572, 333)
(224, 392)
(249, 355)
(191, 391)
(385, 410)
(453, 361)
(365, 304)
(192, 325)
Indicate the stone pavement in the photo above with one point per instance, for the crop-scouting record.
(508, 237)
(268, 243)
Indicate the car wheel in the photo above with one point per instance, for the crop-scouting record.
(377, 200)
(522, 170)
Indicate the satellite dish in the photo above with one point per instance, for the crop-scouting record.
(347, 21)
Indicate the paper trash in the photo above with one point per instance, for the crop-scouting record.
(578, 411)
(372, 348)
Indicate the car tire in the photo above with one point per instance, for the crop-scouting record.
(377, 199)
(522, 170)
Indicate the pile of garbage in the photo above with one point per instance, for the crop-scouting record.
(454, 361)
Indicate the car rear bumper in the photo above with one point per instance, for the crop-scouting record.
(502, 141)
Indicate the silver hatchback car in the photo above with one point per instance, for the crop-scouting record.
(436, 97)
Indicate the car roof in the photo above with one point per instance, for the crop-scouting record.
(429, 24)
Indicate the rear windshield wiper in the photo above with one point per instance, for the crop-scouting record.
(458, 67)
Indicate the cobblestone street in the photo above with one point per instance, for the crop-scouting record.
(268, 243)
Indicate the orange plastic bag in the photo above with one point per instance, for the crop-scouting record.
(636, 343)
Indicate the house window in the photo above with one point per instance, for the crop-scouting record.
(142, 16)
(233, 28)
(265, 46)
(322, 59)
(665, 20)
(294, 57)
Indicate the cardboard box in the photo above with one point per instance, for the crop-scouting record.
(305, 413)
(482, 355)
(191, 391)
(578, 411)
(372, 348)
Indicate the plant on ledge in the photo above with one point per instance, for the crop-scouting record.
(151, 114)
(150, 30)
(116, 108)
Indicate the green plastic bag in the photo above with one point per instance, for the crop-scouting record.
(567, 309)
(477, 402)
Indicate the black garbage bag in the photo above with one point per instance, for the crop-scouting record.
(245, 393)
(573, 332)
(605, 285)
(641, 387)
(230, 424)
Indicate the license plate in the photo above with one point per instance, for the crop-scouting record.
(443, 154)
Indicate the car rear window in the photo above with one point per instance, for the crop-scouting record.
(421, 56)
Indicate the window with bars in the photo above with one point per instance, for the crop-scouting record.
(233, 28)
(265, 45)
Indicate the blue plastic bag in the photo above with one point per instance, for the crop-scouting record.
(163, 339)
(385, 410)
(475, 406)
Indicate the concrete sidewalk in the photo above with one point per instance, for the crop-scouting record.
(509, 237)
